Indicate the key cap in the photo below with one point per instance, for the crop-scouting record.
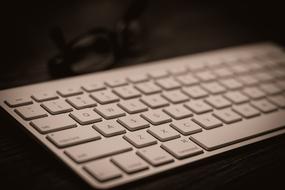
(116, 82)
(73, 136)
(126, 92)
(52, 124)
(278, 100)
(186, 127)
(227, 116)
(239, 69)
(246, 110)
(148, 88)
(207, 121)
(86, 116)
(247, 80)
(253, 92)
(158, 74)
(103, 170)
(140, 139)
(167, 83)
(31, 112)
(104, 97)
(103, 148)
(130, 163)
(57, 107)
(182, 148)
(109, 128)
(213, 87)
(175, 96)
(264, 106)
(178, 112)
(177, 70)
(18, 101)
(138, 78)
(236, 97)
(263, 77)
(133, 106)
(154, 101)
(69, 91)
(270, 88)
(164, 132)
(218, 102)
(93, 86)
(223, 72)
(110, 111)
(231, 83)
(195, 92)
(155, 156)
(44, 96)
(80, 102)
(187, 80)
(205, 76)
(196, 66)
(133, 122)
(198, 106)
(156, 117)
(237, 132)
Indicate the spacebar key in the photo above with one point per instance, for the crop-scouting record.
(98, 149)
(234, 133)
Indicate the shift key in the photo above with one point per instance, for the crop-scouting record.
(98, 149)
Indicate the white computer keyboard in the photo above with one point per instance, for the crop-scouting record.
(118, 126)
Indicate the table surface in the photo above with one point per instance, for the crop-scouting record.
(176, 28)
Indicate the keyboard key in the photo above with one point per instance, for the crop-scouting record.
(130, 163)
(109, 128)
(82, 101)
(94, 86)
(31, 112)
(253, 92)
(167, 83)
(213, 87)
(223, 72)
(236, 97)
(175, 96)
(133, 106)
(270, 88)
(138, 78)
(231, 83)
(196, 66)
(198, 106)
(164, 132)
(263, 77)
(103, 170)
(205, 76)
(264, 106)
(104, 97)
(133, 122)
(239, 69)
(52, 124)
(247, 80)
(18, 101)
(116, 82)
(181, 148)
(195, 92)
(227, 116)
(69, 91)
(246, 110)
(237, 132)
(154, 101)
(178, 70)
(126, 92)
(110, 111)
(218, 102)
(155, 156)
(44, 96)
(148, 88)
(106, 147)
(187, 80)
(178, 112)
(57, 106)
(156, 117)
(73, 136)
(140, 139)
(86, 116)
(158, 74)
(278, 100)
(186, 127)
(207, 121)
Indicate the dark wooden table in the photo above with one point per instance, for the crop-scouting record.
(175, 28)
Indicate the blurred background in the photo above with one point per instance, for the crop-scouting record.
(172, 28)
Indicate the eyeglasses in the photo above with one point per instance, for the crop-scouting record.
(100, 48)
